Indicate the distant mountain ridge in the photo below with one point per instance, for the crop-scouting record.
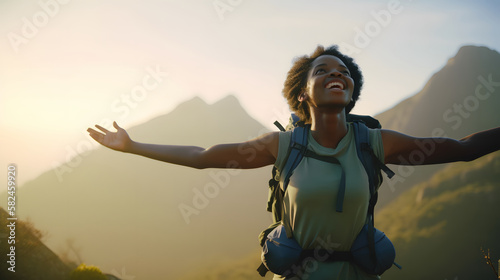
(130, 212)
(470, 80)
(124, 210)
(460, 99)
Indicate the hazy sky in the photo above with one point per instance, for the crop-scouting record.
(66, 65)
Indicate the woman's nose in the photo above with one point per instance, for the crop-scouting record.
(335, 73)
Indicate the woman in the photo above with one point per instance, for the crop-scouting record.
(321, 89)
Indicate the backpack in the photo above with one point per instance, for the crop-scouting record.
(298, 149)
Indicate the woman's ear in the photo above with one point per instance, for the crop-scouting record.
(302, 97)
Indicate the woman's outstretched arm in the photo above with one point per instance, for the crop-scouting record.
(406, 150)
(255, 153)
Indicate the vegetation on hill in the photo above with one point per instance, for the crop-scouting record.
(439, 226)
(33, 260)
(86, 272)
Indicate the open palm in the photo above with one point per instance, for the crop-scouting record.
(118, 140)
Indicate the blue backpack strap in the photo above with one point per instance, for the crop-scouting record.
(274, 182)
(362, 138)
(295, 119)
(372, 166)
(370, 161)
(297, 150)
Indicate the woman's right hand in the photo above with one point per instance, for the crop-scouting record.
(118, 141)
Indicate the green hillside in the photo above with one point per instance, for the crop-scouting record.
(438, 227)
(31, 259)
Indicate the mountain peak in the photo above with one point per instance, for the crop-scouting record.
(449, 91)
(473, 54)
(194, 104)
(229, 100)
(195, 101)
(197, 104)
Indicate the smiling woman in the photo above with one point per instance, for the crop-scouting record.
(297, 80)
(322, 89)
(329, 78)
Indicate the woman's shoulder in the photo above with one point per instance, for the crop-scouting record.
(376, 142)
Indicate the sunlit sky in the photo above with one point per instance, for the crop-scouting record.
(66, 65)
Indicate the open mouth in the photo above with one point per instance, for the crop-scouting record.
(335, 84)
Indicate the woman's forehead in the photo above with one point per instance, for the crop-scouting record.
(327, 59)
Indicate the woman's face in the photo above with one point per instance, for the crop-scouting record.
(329, 83)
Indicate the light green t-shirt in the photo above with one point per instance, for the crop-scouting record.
(310, 204)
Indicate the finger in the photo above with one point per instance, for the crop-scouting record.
(115, 125)
(102, 129)
(97, 136)
(94, 132)
(91, 130)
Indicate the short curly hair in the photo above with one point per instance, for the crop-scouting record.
(296, 80)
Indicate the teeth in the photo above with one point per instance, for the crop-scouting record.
(333, 84)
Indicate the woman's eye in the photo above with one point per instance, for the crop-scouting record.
(319, 70)
(346, 73)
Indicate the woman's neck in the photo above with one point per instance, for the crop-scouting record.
(328, 128)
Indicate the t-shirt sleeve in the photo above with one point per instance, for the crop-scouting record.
(284, 142)
(377, 144)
